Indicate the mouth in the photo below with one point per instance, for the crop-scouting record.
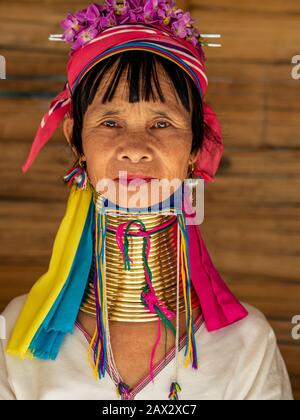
(130, 177)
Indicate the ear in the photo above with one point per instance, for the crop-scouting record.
(68, 130)
(193, 157)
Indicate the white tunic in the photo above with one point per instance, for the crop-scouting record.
(239, 362)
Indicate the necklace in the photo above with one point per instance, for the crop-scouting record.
(124, 287)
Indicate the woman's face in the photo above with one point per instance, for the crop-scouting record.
(149, 138)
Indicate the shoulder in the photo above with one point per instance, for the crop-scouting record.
(253, 344)
(261, 363)
(244, 337)
(255, 324)
(255, 320)
(250, 359)
(12, 311)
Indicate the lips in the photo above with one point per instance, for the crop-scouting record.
(130, 177)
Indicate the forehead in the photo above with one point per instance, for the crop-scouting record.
(121, 95)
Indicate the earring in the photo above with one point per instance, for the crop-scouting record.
(81, 162)
(78, 175)
(191, 184)
(191, 171)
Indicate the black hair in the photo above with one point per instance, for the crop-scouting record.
(142, 66)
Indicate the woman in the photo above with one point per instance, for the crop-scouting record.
(117, 274)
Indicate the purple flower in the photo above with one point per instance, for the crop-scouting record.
(182, 27)
(194, 33)
(187, 19)
(111, 4)
(150, 11)
(179, 28)
(93, 13)
(85, 36)
(194, 41)
(152, 3)
(134, 11)
(118, 7)
(111, 19)
(135, 4)
(165, 13)
(74, 22)
(176, 13)
(70, 35)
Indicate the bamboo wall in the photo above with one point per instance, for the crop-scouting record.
(252, 225)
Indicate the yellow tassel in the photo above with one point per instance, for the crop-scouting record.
(90, 357)
(187, 299)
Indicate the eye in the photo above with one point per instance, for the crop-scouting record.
(163, 122)
(110, 123)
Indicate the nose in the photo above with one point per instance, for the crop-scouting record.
(134, 152)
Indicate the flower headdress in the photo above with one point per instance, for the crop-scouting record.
(84, 25)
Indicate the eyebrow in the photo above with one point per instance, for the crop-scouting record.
(160, 113)
(111, 112)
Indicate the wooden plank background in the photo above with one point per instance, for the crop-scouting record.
(252, 225)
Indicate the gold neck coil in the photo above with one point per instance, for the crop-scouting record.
(124, 287)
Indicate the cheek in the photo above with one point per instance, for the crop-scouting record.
(96, 144)
(178, 165)
(97, 154)
(177, 154)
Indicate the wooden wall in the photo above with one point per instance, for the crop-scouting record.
(252, 226)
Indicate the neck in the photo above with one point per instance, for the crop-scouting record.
(124, 287)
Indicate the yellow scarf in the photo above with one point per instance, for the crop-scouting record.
(46, 290)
